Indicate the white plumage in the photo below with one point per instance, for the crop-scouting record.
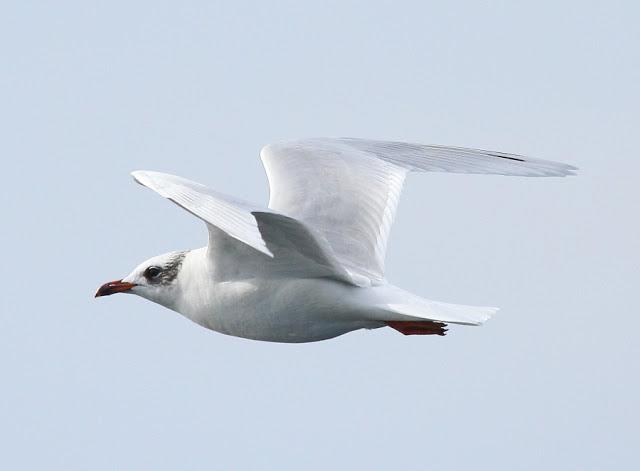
(311, 265)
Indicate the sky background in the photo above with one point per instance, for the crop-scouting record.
(90, 91)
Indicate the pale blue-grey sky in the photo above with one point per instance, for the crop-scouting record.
(92, 90)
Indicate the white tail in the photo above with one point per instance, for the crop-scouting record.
(400, 305)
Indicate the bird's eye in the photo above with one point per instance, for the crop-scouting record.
(152, 272)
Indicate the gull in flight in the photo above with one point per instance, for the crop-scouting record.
(310, 266)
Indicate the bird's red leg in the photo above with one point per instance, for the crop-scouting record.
(418, 327)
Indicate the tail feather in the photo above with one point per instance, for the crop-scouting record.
(400, 305)
(444, 312)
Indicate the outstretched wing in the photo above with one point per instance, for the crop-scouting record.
(348, 189)
(245, 239)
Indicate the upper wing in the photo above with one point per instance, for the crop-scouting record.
(348, 189)
(245, 239)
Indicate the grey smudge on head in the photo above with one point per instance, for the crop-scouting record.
(171, 269)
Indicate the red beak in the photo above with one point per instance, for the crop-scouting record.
(114, 287)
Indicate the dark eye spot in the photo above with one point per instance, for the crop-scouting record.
(152, 273)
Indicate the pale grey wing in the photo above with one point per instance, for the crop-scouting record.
(246, 239)
(348, 189)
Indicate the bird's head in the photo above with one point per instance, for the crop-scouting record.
(154, 279)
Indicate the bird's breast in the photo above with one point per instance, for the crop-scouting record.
(281, 310)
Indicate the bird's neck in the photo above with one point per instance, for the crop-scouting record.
(194, 283)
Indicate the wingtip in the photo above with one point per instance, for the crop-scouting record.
(572, 171)
(148, 177)
(265, 250)
(566, 170)
(138, 176)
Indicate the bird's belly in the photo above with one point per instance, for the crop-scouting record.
(290, 311)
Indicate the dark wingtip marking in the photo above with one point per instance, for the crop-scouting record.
(507, 157)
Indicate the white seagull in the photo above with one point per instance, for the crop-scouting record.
(310, 266)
